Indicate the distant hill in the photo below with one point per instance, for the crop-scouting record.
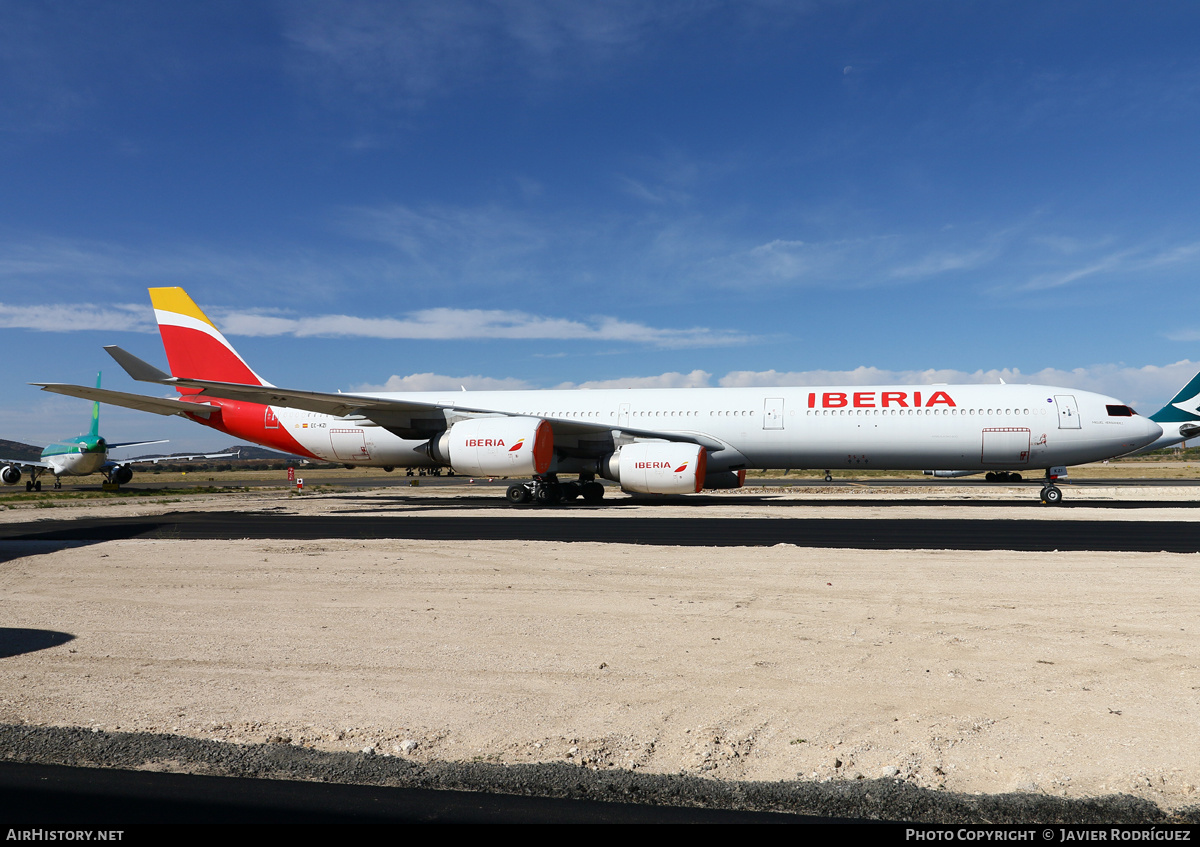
(17, 450)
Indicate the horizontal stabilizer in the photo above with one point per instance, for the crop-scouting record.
(135, 367)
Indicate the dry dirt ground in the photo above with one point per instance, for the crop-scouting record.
(1068, 674)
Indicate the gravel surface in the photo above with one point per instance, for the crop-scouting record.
(934, 685)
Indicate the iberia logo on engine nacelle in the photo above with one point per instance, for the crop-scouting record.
(486, 442)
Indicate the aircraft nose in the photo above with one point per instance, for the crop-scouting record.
(1153, 430)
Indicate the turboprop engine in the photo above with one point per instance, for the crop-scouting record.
(496, 447)
(657, 468)
(10, 475)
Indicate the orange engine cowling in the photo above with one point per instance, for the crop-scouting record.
(496, 447)
(657, 468)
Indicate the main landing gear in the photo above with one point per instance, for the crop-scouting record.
(35, 484)
(546, 490)
(1002, 476)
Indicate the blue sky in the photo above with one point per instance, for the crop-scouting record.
(522, 194)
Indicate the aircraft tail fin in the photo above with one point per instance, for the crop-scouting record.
(195, 348)
(95, 431)
(1184, 407)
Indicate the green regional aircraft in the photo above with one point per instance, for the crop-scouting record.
(82, 456)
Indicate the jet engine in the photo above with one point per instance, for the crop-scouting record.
(496, 447)
(10, 475)
(657, 468)
(121, 474)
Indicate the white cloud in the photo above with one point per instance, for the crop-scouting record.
(440, 382)
(695, 379)
(463, 324)
(428, 324)
(129, 317)
(855, 262)
(399, 55)
(1133, 260)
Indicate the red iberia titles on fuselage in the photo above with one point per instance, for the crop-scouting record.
(877, 400)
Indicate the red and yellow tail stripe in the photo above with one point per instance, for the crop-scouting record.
(196, 349)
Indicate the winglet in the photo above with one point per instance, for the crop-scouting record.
(135, 367)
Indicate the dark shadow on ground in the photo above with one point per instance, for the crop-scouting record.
(16, 641)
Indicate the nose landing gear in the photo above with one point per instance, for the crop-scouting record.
(1051, 494)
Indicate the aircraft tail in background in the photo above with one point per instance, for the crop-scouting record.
(95, 430)
(1179, 419)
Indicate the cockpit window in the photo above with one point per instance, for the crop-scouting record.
(1121, 412)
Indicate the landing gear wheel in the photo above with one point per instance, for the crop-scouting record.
(29, 485)
(990, 476)
(593, 492)
(1051, 495)
(549, 494)
(518, 495)
(37, 486)
(828, 476)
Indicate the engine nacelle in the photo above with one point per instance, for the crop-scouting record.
(725, 479)
(657, 468)
(10, 475)
(496, 447)
(120, 475)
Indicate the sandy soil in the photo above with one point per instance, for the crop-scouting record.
(1073, 674)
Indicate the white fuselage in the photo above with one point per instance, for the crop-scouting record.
(964, 427)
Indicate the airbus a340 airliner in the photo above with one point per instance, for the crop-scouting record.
(653, 441)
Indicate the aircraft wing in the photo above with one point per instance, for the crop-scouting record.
(137, 443)
(154, 460)
(157, 405)
(390, 413)
(386, 412)
(26, 463)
